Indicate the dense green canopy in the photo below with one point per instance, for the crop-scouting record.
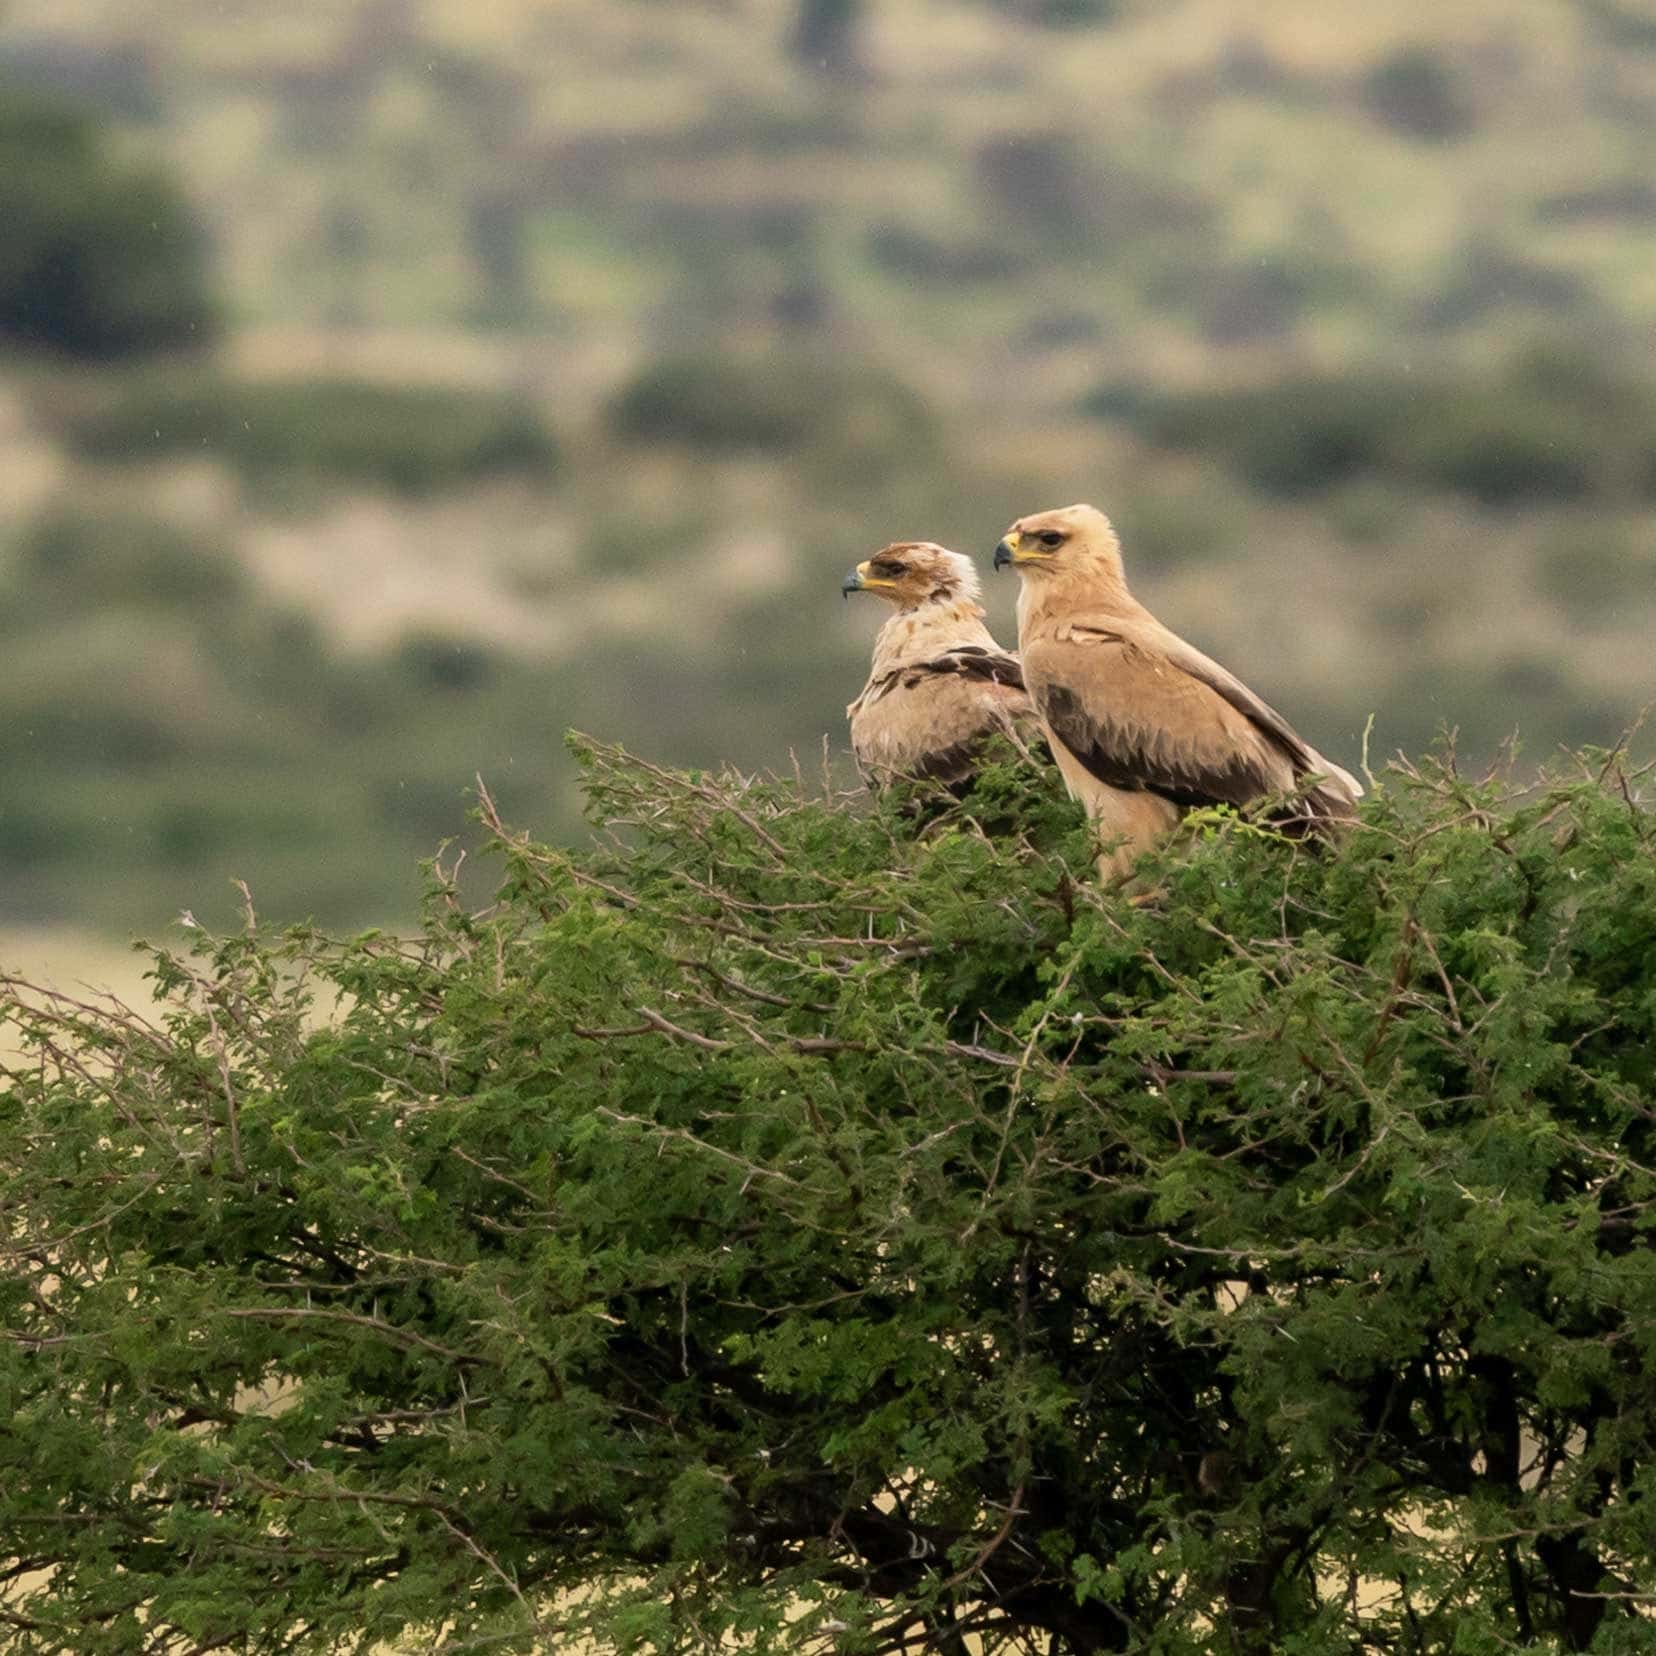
(815, 1225)
(99, 257)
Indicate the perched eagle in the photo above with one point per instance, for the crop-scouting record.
(1143, 725)
(940, 685)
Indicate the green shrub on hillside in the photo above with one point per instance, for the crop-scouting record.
(1045, 184)
(1595, 570)
(99, 256)
(1167, 527)
(778, 401)
(169, 726)
(1418, 91)
(1548, 426)
(1060, 14)
(1487, 277)
(916, 255)
(1500, 449)
(415, 439)
(773, 1230)
(74, 560)
(1292, 437)
(826, 37)
(1624, 26)
(433, 662)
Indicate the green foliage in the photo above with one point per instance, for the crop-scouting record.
(1060, 14)
(435, 663)
(1288, 438)
(167, 728)
(779, 1229)
(1043, 184)
(75, 559)
(1501, 448)
(826, 36)
(100, 258)
(1488, 277)
(1624, 26)
(1417, 91)
(1594, 570)
(780, 401)
(1551, 425)
(415, 439)
(1167, 527)
(915, 255)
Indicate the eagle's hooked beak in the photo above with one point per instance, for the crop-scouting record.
(1007, 552)
(854, 581)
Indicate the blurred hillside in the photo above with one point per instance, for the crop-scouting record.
(551, 361)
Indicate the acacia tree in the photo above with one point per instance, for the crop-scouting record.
(798, 1225)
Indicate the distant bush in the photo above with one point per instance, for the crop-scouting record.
(1060, 14)
(1129, 401)
(1489, 277)
(1625, 26)
(1039, 180)
(1239, 301)
(1257, 299)
(99, 72)
(183, 833)
(1623, 200)
(1169, 527)
(826, 37)
(435, 662)
(1499, 449)
(622, 541)
(1546, 427)
(911, 253)
(78, 559)
(101, 719)
(1289, 437)
(1520, 694)
(99, 256)
(1591, 570)
(1369, 511)
(1417, 92)
(773, 401)
(35, 832)
(414, 439)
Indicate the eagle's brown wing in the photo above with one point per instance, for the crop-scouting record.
(975, 661)
(1138, 719)
(1337, 791)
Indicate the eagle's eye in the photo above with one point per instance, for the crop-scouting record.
(888, 568)
(1052, 537)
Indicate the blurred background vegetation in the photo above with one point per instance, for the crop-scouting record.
(387, 385)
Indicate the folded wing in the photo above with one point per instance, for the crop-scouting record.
(1141, 710)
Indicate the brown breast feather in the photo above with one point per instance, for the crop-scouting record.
(930, 717)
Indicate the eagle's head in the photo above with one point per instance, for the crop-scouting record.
(1070, 538)
(912, 573)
